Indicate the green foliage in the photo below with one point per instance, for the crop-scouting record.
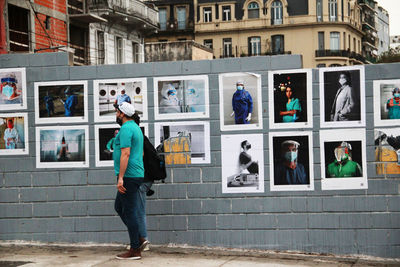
(393, 55)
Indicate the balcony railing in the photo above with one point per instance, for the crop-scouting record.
(369, 3)
(339, 53)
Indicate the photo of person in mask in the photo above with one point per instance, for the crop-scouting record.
(11, 136)
(70, 102)
(393, 105)
(170, 102)
(293, 107)
(288, 171)
(343, 165)
(242, 104)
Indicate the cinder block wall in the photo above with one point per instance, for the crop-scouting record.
(64, 205)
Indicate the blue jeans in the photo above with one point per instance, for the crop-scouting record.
(142, 211)
(127, 206)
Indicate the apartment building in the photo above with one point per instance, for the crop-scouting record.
(382, 28)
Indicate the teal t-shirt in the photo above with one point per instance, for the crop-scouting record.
(293, 105)
(131, 136)
(394, 112)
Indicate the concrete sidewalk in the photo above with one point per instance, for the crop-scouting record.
(12, 255)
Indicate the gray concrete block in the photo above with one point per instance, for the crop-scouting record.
(33, 194)
(34, 74)
(113, 71)
(90, 224)
(202, 222)
(355, 220)
(173, 223)
(255, 63)
(15, 210)
(45, 178)
(162, 207)
(82, 72)
(291, 221)
(113, 224)
(186, 206)
(42, 59)
(382, 187)
(218, 206)
(9, 195)
(14, 164)
(393, 203)
(338, 204)
(14, 60)
(17, 179)
(282, 62)
(152, 223)
(60, 193)
(275, 204)
(372, 237)
(215, 143)
(46, 210)
(299, 204)
(62, 58)
(323, 221)
(201, 190)
(261, 221)
(370, 204)
(102, 208)
(231, 222)
(331, 239)
(196, 67)
(73, 209)
(167, 68)
(103, 177)
(138, 70)
(314, 204)
(59, 73)
(186, 175)
(95, 192)
(73, 178)
(172, 191)
(382, 71)
(225, 65)
(9, 226)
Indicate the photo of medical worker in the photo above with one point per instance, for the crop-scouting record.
(242, 163)
(12, 89)
(65, 146)
(181, 97)
(108, 93)
(240, 101)
(184, 142)
(55, 100)
(342, 93)
(13, 134)
(291, 161)
(343, 159)
(290, 98)
(387, 102)
(387, 151)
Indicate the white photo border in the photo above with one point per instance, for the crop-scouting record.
(341, 124)
(24, 104)
(271, 103)
(20, 151)
(343, 183)
(377, 104)
(207, 148)
(62, 120)
(298, 187)
(240, 127)
(60, 165)
(96, 83)
(182, 116)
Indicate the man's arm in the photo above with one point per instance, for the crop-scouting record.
(125, 152)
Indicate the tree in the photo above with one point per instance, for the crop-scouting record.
(393, 55)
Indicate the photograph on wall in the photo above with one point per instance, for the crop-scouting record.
(104, 139)
(108, 93)
(14, 134)
(291, 161)
(242, 163)
(387, 151)
(240, 101)
(62, 147)
(343, 159)
(61, 102)
(12, 89)
(184, 142)
(290, 99)
(342, 96)
(181, 97)
(387, 102)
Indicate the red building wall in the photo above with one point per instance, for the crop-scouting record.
(3, 34)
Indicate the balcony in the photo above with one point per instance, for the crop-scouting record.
(367, 3)
(128, 12)
(244, 51)
(369, 20)
(339, 53)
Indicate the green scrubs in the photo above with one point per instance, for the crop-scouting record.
(110, 144)
(293, 105)
(348, 169)
(394, 112)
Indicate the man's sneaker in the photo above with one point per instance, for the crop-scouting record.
(132, 254)
(144, 246)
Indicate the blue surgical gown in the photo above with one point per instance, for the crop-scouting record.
(242, 105)
(285, 176)
(70, 104)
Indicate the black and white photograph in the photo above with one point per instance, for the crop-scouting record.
(387, 102)
(61, 102)
(184, 142)
(109, 93)
(290, 99)
(291, 161)
(240, 101)
(387, 151)
(343, 159)
(13, 89)
(62, 147)
(342, 97)
(104, 140)
(181, 97)
(14, 134)
(242, 163)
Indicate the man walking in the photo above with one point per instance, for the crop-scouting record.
(128, 165)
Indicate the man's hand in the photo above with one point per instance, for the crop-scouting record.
(120, 185)
(233, 113)
(248, 117)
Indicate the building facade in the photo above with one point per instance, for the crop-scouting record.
(382, 27)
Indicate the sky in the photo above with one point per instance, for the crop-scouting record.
(393, 7)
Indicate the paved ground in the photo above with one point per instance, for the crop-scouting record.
(12, 255)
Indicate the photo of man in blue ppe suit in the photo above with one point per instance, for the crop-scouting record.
(242, 104)
(70, 103)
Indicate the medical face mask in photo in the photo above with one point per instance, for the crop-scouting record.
(342, 81)
(397, 95)
(341, 154)
(291, 156)
(8, 91)
(239, 87)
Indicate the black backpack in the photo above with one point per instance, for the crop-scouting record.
(153, 161)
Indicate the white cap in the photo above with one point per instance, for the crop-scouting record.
(239, 82)
(127, 109)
